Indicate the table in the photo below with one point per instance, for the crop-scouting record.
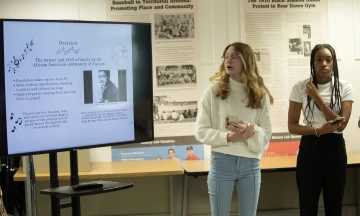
(267, 164)
(101, 170)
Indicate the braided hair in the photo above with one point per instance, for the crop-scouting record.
(335, 89)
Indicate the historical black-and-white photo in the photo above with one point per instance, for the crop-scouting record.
(306, 32)
(107, 90)
(174, 26)
(176, 76)
(258, 56)
(108, 86)
(169, 110)
(295, 46)
(263, 59)
(307, 48)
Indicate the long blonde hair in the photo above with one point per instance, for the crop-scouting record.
(250, 76)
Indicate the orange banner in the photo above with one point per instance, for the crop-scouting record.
(282, 148)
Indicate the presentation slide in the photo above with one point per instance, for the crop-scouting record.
(67, 85)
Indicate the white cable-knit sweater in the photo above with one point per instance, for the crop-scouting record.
(210, 123)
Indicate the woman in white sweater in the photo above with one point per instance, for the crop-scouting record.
(236, 148)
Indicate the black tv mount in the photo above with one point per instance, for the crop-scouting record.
(58, 193)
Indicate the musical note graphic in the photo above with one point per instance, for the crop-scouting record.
(19, 120)
(71, 49)
(9, 66)
(15, 63)
(27, 45)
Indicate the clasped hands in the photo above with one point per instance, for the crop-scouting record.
(240, 130)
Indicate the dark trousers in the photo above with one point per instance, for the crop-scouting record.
(321, 165)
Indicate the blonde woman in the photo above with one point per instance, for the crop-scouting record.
(238, 92)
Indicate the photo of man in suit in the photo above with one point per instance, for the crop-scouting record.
(108, 91)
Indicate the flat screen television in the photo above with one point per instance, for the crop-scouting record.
(74, 84)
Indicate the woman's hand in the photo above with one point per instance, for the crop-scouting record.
(241, 130)
(312, 91)
(238, 128)
(328, 127)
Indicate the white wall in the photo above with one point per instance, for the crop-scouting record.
(341, 34)
(219, 26)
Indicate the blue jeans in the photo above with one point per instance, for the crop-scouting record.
(226, 171)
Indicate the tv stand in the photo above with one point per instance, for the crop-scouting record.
(58, 193)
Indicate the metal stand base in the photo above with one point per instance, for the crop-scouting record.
(54, 183)
(31, 186)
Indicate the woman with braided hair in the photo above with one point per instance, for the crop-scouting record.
(322, 160)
